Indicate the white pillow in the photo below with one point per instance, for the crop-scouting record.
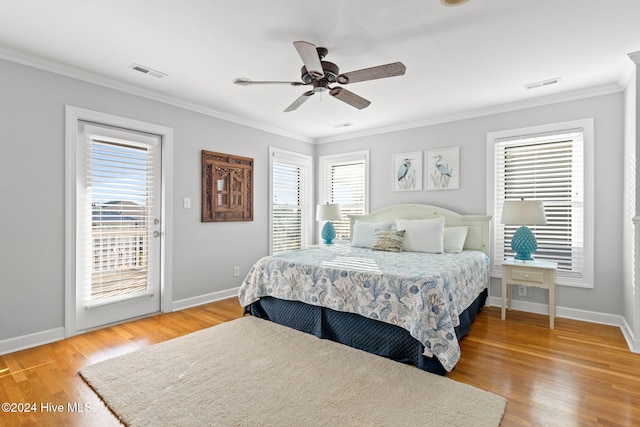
(364, 233)
(454, 238)
(422, 235)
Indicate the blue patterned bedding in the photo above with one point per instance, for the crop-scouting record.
(422, 293)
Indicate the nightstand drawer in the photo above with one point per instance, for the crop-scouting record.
(527, 275)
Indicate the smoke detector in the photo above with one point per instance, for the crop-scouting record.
(452, 2)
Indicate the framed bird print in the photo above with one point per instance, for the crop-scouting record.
(407, 171)
(443, 168)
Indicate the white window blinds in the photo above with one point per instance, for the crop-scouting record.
(550, 167)
(291, 192)
(116, 202)
(344, 181)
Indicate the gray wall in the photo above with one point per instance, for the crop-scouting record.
(471, 136)
(32, 205)
(32, 177)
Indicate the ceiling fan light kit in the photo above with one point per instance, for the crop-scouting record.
(319, 74)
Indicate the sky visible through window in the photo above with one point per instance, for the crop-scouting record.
(119, 173)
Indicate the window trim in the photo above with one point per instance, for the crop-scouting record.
(587, 281)
(326, 161)
(307, 210)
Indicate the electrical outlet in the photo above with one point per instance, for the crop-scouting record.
(236, 271)
(522, 291)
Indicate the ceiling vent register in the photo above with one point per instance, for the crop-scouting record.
(147, 70)
(543, 83)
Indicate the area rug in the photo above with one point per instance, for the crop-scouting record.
(252, 372)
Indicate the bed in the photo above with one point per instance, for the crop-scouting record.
(412, 305)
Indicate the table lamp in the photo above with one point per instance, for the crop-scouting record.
(329, 212)
(523, 212)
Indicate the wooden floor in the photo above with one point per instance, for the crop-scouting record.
(579, 374)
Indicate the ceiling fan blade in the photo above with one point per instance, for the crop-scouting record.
(379, 72)
(310, 58)
(298, 102)
(247, 82)
(349, 97)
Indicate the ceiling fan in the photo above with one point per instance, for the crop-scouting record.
(320, 74)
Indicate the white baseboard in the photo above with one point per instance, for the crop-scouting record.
(11, 345)
(204, 299)
(45, 337)
(568, 313)
(632, 342)
(575, 314)
(31, 340)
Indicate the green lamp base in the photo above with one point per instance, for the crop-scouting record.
(328, 232)
(524, 244)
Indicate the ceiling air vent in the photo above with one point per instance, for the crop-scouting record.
(147, 70)
(342, 125)
(542, 83)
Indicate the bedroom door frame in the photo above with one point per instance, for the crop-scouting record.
(75, 115)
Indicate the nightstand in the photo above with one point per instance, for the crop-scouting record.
(541, 274)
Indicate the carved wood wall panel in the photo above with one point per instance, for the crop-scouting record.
(227, 187)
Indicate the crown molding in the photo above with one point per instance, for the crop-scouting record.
(100, 80)
(496, 109)
(97, 79)
(635, 57)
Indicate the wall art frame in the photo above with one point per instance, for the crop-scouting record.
(227, 187)
(443, 169)
(407, 171)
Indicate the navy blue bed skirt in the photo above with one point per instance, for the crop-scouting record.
(360, 332)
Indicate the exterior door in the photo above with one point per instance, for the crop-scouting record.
(118, 225)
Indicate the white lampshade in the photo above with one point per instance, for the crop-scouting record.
(523, 212)
(328, 212)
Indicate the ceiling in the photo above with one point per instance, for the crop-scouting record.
(461, 61)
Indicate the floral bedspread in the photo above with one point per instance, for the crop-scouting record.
(422, 293)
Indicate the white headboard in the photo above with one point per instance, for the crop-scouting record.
(478, 237)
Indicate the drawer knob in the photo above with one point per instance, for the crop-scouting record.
(526, 275)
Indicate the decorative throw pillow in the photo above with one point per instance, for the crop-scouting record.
(422, 235)
(454, 238)
(364, 233)
(388, 240)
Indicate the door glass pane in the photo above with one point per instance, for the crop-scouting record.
(120, 183)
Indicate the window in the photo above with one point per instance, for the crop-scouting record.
(291, 217)
(549, 164)
(343, 180)
(118, 210)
